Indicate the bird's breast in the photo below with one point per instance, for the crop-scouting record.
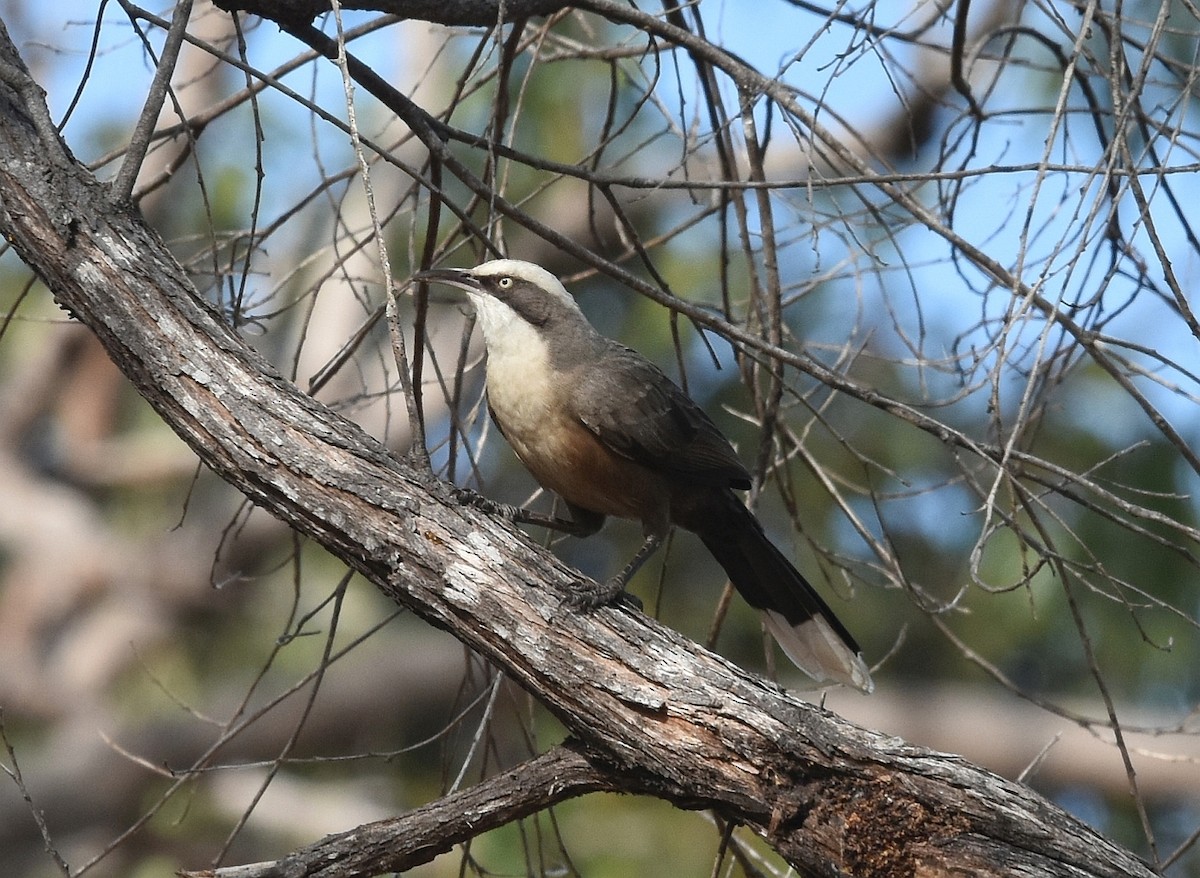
(521, 387)
(531, 404)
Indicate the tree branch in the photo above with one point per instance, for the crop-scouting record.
(417, 837)
(678, 721)
(144, 130)
(484, 13)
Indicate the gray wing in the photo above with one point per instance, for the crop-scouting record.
(640, 414)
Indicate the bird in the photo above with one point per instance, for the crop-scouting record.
(609, 433)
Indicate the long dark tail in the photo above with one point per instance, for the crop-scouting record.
(807, 630)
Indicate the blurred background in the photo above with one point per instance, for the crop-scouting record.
(976, 248)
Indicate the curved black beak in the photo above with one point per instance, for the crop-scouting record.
(454, 277)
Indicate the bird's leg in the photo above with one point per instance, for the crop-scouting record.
(578, 525)
(648, 548)
(582, 523)
(600, 594)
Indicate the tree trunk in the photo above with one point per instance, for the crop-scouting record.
(653, 712)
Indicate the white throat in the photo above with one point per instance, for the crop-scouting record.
(519, 377)
(508, 337)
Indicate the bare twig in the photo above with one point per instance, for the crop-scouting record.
(13, 770)
(143, 132)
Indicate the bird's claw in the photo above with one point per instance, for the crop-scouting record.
(467, 497)
(590, 595)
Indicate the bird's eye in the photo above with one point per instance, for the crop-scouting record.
(504, 283)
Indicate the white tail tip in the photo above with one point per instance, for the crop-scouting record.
(815, 648)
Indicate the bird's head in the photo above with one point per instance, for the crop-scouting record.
(505, 291)
(524, 311)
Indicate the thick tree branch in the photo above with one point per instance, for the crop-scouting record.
(678, 721)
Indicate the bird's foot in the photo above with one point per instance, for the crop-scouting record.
(590, 595)
(467, 497)
(520, 515)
